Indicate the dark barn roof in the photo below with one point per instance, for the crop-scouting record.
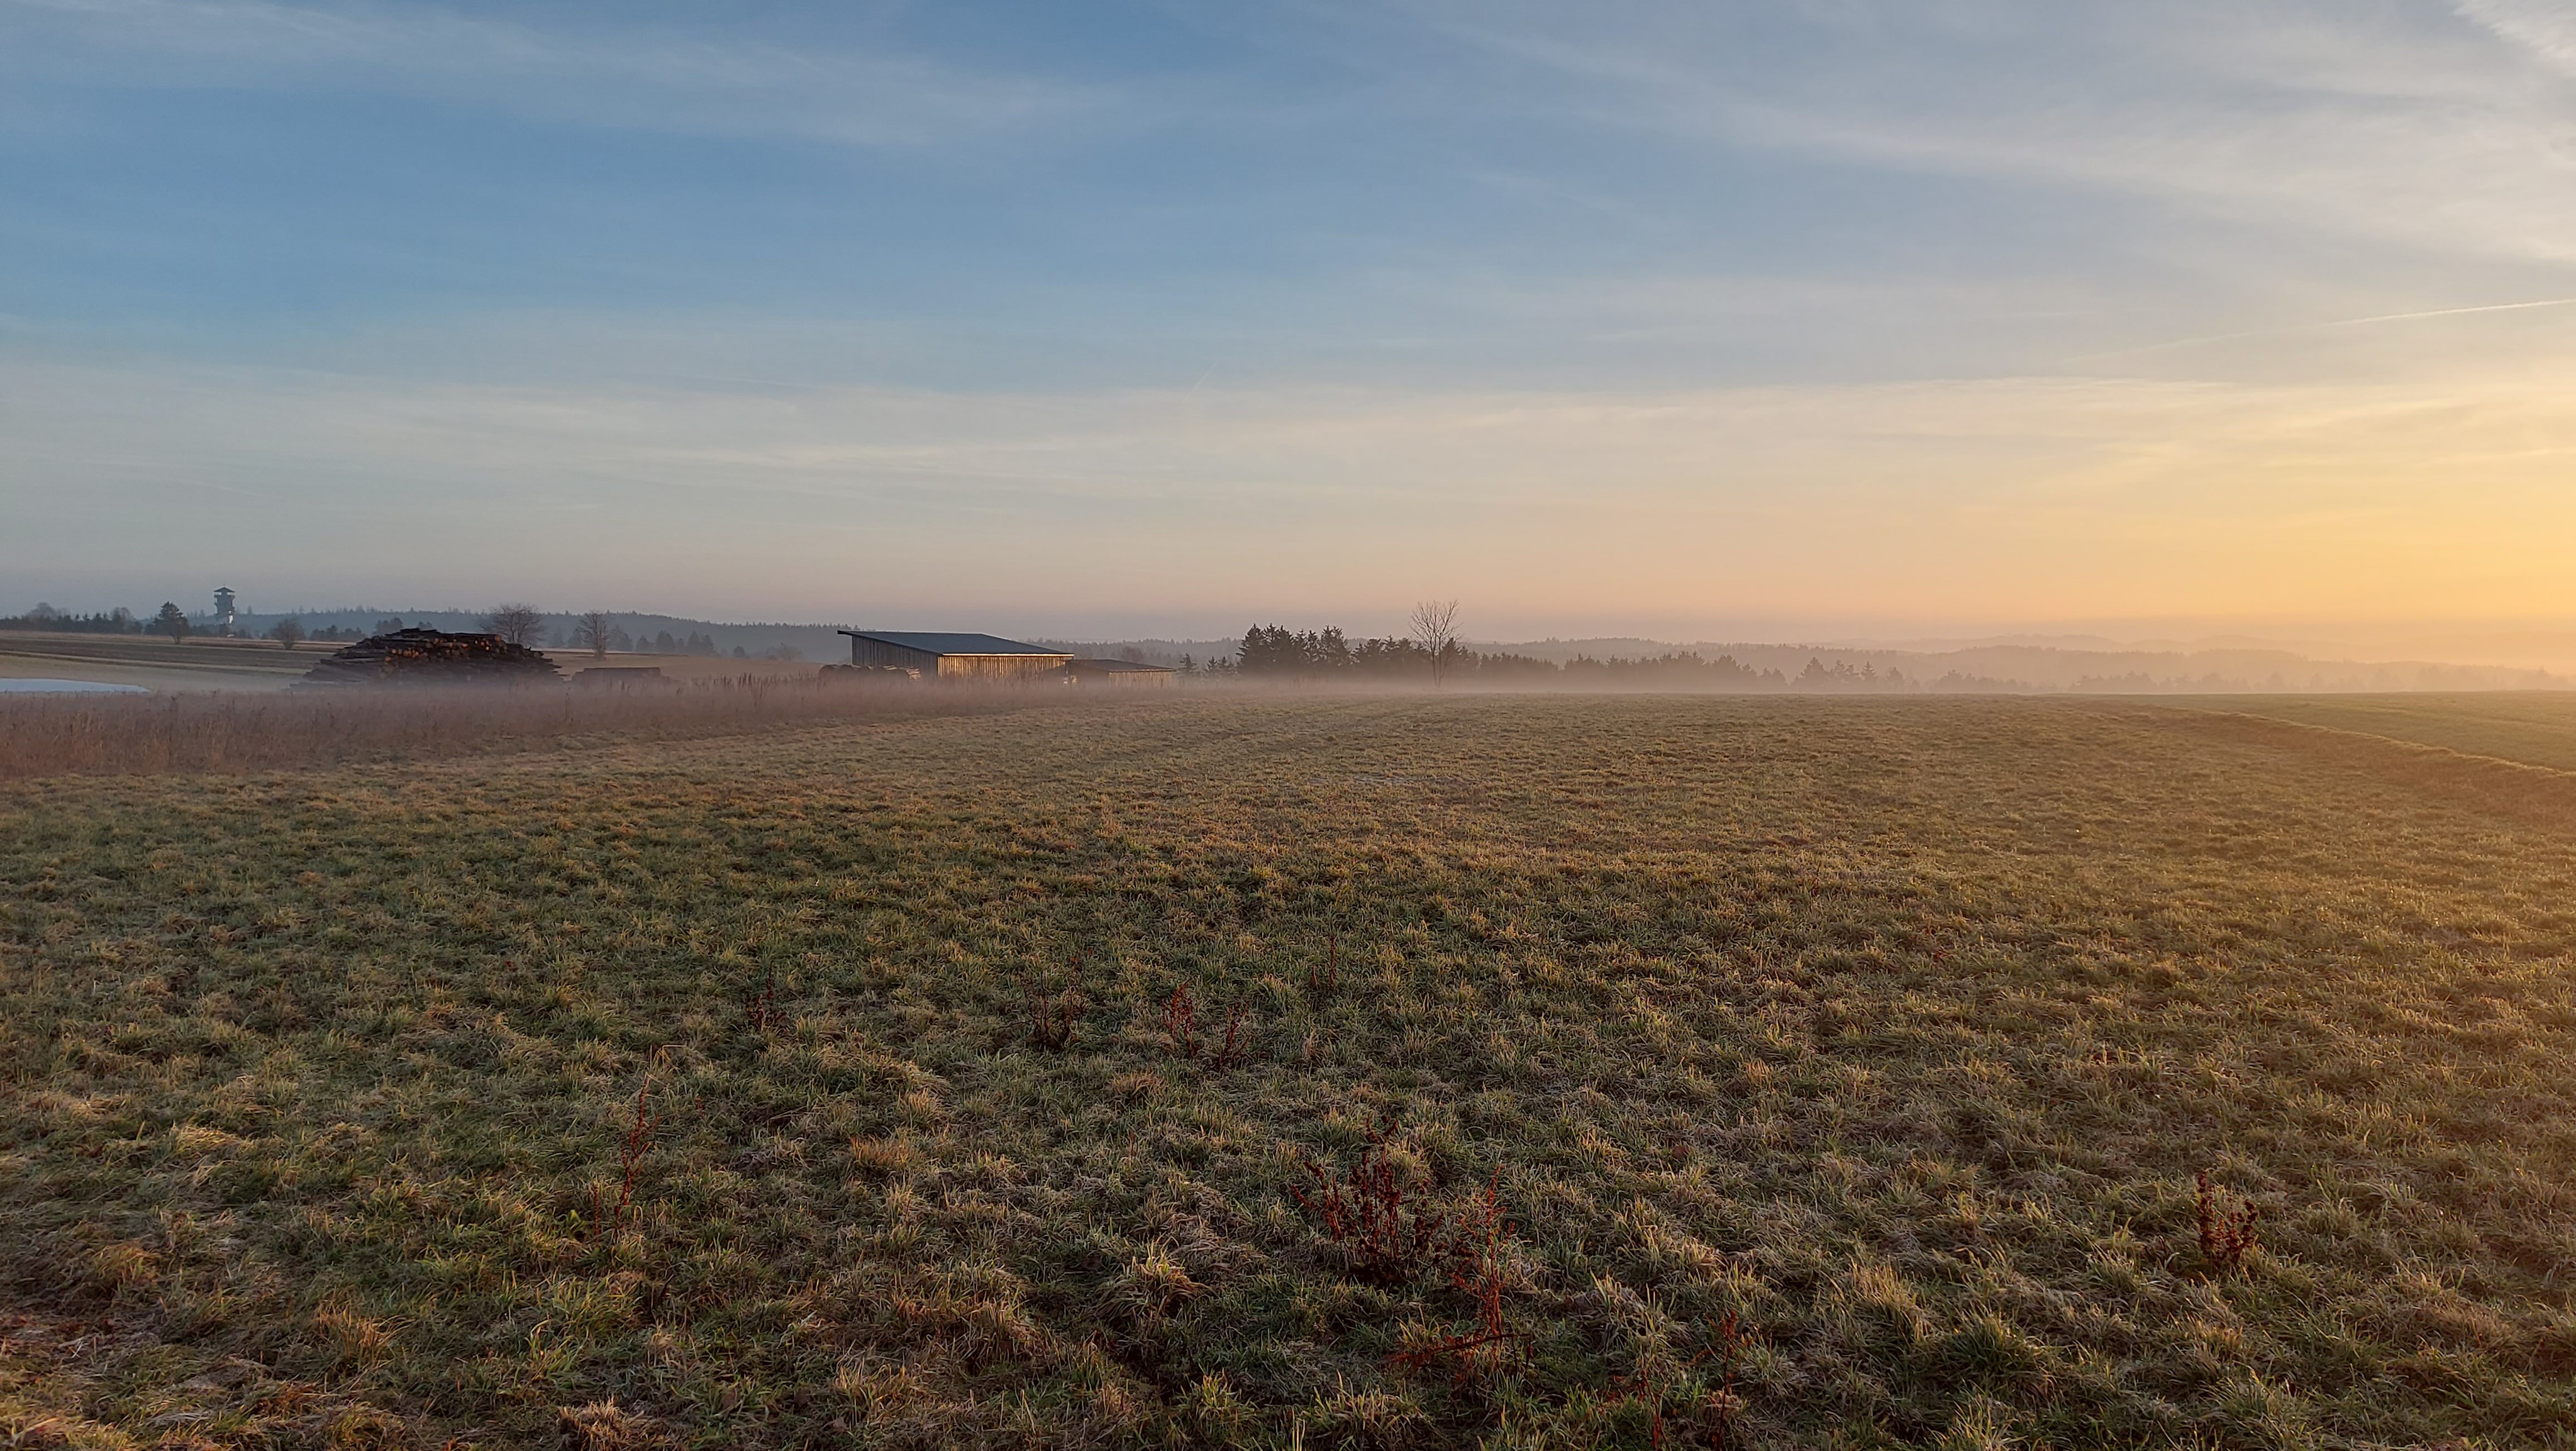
(948, 642)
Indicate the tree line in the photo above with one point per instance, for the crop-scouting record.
(1275, 652)
(118, 621)
(171, 621)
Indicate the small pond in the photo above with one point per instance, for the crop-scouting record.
(66, 687)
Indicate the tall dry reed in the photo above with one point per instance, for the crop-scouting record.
(243, 732)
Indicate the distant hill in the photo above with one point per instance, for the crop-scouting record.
(2116, 671)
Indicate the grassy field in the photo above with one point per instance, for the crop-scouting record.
(1779, 1072)
(155, 662)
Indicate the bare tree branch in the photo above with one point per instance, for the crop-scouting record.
(518, 624)
(591, 632)
(1435, 629)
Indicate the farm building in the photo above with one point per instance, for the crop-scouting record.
(946, 656)
(1119, 674)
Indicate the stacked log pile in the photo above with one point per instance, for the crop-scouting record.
(433, 657)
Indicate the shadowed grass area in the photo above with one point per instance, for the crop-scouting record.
(1841, 1072)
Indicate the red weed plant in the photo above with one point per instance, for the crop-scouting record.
(1323, 978)
(1476, 1269)
(1651, 1385)
(762, 1004)
(630, 1158)
(1385, 1232)
(2227, 1232)
(1237, 1048)
(1051, 1019)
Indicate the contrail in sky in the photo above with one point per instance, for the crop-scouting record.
(2450, 312)
(2309, 327)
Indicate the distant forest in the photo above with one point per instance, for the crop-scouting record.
(45, 617)
(1274, 652)
(1278, 653)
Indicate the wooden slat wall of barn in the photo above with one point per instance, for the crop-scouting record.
(1000, 667)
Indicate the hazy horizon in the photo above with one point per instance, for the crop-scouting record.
(1856, 321)
(2544, 644)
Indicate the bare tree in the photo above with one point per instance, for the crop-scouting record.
(1435, 629)
(591, 632)
(518, 624)
(287, 631)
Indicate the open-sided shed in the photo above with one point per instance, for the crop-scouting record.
(950, 655)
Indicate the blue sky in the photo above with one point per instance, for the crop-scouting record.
(1141, 317)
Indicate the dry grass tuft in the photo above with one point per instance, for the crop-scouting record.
(605, 1426)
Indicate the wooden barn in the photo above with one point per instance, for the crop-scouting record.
(943, 655)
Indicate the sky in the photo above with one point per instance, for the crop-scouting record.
(1696, 320)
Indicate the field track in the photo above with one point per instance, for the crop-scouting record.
(2538, 791)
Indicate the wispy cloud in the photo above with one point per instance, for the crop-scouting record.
(606, 73)
(2546, 27)
(2400, 124)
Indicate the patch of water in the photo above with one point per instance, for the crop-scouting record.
(67, 687)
